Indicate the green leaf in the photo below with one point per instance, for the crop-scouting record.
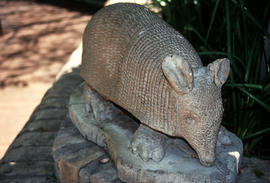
(261, 132)
(255, 86)
(267, 107)
(212, 20)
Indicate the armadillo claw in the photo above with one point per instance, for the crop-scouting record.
(148, 145)
(158, 154)
(147, 150)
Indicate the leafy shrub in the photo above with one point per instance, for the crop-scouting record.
(236, 29)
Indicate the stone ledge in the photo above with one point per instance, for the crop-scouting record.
(28, 153)
(39, 168)
(29, 158)
(42, 126)
(79, 160)
(69, 140)
(28, 179)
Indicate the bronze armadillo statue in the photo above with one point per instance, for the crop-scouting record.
(134, 59)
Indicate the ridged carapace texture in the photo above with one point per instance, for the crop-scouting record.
(124, 46)
(136, 60)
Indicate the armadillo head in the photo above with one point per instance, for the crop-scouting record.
(200, 107)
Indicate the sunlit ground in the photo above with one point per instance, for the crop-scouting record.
(37, 40)
(16, 105)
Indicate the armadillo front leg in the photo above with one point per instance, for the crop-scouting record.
(102, 109)
(149, 144)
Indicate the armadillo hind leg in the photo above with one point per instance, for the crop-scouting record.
(149, 144)
(102, 109)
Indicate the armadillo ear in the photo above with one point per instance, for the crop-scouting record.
(219, 70)
(178, 73)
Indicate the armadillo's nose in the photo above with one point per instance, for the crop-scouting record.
(207, 159)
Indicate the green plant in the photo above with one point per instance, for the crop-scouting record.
(236, 29)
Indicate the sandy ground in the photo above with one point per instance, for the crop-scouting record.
(16, 105)
(36, 42)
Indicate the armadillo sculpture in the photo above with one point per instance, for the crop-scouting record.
(134, 59)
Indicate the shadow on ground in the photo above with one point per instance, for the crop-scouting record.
(38, 37)
(82, 6)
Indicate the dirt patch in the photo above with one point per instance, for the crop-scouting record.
(37, 39)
